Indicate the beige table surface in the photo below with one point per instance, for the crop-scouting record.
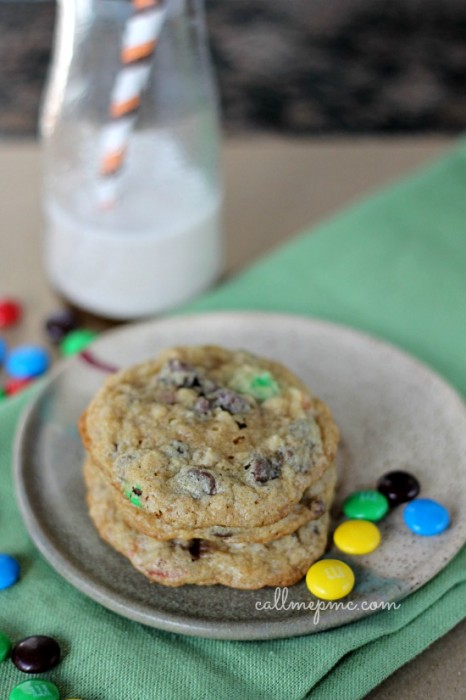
(274, 187)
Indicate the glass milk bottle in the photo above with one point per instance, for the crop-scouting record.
(132, 190)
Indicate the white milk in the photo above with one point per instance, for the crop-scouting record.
(157, 248)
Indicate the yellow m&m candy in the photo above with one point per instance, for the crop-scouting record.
(330, 579)
(357, 537)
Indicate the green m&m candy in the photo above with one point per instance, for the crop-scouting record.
(76, 341)
(35, 689)
(264, 386)
(366, 505)
(5, 646)
(260, 384)
(134, 493)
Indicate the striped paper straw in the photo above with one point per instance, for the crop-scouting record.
(138, 45)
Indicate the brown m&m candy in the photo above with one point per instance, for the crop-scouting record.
(36, 654)
(398, 487)
(59, 324)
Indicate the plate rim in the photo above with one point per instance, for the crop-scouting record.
(200, 627)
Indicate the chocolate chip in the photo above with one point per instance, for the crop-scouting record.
(137, 491)
(204, 480)
(197, 548)
(263, 469)
(319, 507)
(306, 501)
(179, 373)
(241, 425)
(177, 449)
(315, 504)
(180, 447)
(207, 386)
(287, 455)
(230, 401)
(238, 439)
(202, 406)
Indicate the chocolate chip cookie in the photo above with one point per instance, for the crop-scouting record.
(315, 501)
(206, 437)
(177, 562)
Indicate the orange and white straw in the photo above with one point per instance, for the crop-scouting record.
(139, 41)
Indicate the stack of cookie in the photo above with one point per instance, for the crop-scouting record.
(210, 466)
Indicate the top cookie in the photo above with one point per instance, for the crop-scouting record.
(205, 436)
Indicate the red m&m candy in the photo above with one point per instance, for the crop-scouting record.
(14, 386)
(10, 312)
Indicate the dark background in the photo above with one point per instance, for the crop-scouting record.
(293, 66)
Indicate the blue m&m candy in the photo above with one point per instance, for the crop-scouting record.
(27, 361)
(2, 351)
(425, 516)
(9, 571)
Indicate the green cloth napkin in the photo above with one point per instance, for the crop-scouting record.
(394, 266)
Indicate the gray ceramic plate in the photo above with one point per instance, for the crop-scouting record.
(393, 412)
